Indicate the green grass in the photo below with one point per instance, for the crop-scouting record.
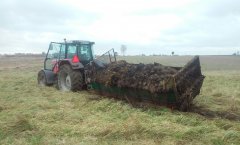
(221, 91)
(30, 114)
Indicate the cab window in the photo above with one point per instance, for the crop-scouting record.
(52, 56)
(84, 52)
(71, 51)
(62, 51)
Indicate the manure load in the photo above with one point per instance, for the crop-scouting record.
(157, 84)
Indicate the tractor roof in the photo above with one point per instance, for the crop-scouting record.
(76, 42)
(80, 42)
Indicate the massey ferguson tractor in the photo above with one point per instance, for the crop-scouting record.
(65, 65)
(71, 66)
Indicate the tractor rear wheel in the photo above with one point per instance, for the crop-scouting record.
(42, 81)
(69, 79)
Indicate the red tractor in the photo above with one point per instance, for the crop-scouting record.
(65, 65)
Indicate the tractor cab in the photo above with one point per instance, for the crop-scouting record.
(74, 52)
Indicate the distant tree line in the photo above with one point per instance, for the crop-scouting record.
(23, 55)
(236, 53)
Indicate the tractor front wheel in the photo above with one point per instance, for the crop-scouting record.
(69, 79)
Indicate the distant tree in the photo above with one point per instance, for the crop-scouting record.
(236, 53)
(123, 49)
(43, 53)
(172, 53)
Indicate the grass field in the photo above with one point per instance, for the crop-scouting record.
(30, 114)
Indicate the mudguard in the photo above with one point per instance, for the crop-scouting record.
(78, 65)
(50, 76)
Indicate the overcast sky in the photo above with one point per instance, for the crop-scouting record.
(145, 26)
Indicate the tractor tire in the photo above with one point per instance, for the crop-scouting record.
(69, 79)
(42, 81)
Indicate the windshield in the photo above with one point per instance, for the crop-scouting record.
(85, 53)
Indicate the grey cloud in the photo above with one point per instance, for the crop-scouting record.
(221, 8)
(212, 24)
(24, 24)
(39, 15)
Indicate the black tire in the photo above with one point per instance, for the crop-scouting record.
(42, 81)
(69, 79)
